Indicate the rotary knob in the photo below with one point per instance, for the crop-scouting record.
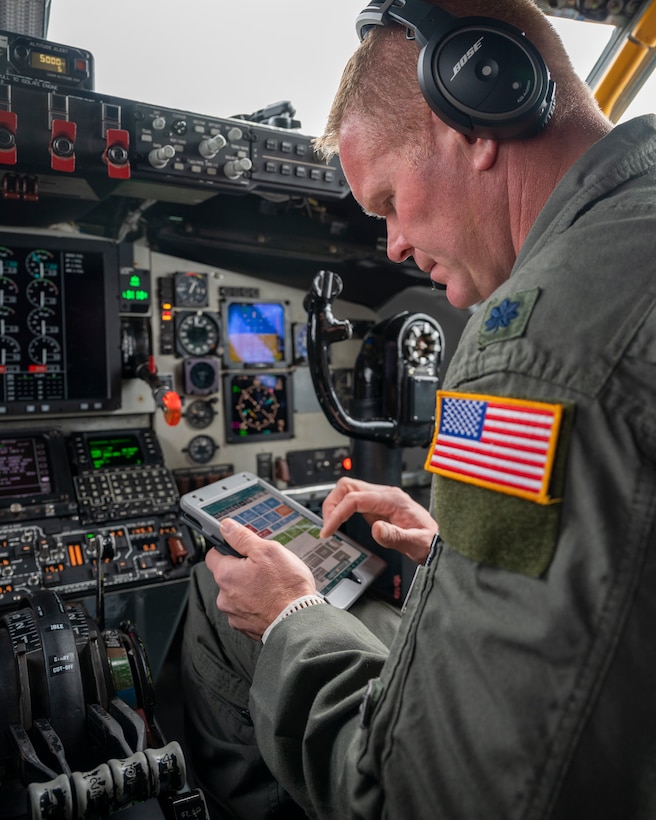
(235, 168)
(211, 146)
(160, 157)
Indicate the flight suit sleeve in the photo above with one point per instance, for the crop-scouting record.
(321, 660)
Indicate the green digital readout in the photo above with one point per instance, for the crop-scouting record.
(114, 451)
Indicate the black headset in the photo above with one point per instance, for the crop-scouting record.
(480, 75)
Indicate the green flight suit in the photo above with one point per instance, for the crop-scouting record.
(522, 680)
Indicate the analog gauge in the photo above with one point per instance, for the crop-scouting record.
(201, 449)
(8, 291)
(42, 292)
(39, 262)
(10, 352)
(190, 289)
(44, 350)
(43, 322)
(8, 263)
(201, 376)
(197, 334)
(6, 312)
(200, 414)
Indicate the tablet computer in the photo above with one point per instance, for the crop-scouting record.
(342, 569)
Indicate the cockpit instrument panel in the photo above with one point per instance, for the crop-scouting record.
(59, 341)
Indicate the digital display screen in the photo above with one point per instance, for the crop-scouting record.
(48, 62)
(114, 451)
(330, 559)
(24, 467)
(59, 328)
(258, 407)
(256, 334)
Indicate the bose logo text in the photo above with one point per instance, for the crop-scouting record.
(466, 57)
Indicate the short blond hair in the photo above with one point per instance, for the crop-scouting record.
(380, 81)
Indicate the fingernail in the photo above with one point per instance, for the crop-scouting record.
(384, 531)
(227, 526)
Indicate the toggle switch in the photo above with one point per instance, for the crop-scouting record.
(8, 123)
(116, 153)
(62, 146)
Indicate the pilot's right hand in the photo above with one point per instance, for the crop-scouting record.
(397, 521)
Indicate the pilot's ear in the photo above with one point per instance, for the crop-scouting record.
(482, 153)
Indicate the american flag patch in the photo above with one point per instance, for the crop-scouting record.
(507, 445)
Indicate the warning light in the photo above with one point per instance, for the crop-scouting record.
(347, 464)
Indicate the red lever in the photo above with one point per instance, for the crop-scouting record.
(172, 407)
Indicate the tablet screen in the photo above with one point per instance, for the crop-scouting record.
(330, 559)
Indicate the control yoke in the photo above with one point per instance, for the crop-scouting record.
(396, 374)
(323, 330)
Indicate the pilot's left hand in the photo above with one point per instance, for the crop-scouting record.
(255, 589)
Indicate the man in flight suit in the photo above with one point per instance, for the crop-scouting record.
(521, 681)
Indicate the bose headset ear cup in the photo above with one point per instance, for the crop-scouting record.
(486, 79)
(480, 75)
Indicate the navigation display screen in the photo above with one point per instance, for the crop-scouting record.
(258, 406)
(24, 467)
(256, 334)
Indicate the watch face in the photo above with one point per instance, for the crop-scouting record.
(190, 289)
(197, 334)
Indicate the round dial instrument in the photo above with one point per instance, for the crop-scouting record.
(198, 334)
(201, 449)
(42, 321)
(44, 350)
(200, 414)
(8, 291)
(42, 292)
(190, 289)
(10, 351)
(38, 262)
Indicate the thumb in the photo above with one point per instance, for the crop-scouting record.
(388, 535)
(408, 542)
(238, 536)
